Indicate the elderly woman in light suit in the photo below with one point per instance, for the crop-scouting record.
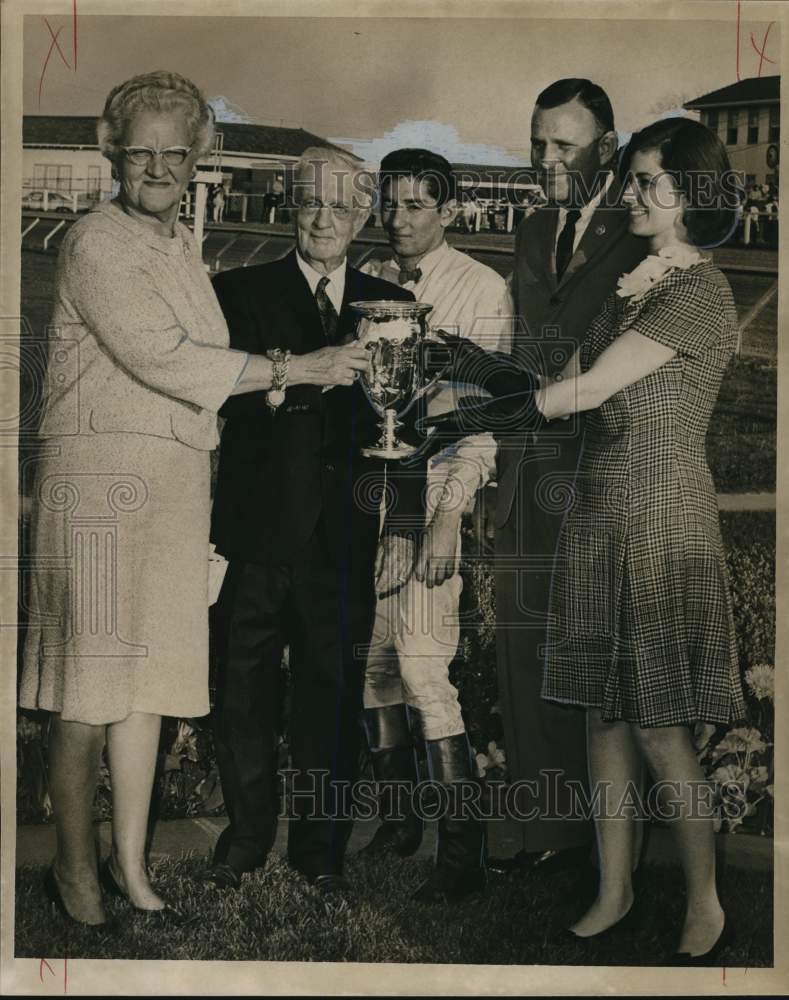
(138, 368)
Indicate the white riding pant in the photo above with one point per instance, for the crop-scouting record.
(415, 638)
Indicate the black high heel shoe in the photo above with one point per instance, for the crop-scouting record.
(626, 923)
(708, 959)
(55, 897)
(167, 914)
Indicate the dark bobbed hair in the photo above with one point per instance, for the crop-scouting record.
(699, 165)
(589, 94)
(423, 165)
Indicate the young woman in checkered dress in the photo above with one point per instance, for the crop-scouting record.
(642, 630)
(641, 627)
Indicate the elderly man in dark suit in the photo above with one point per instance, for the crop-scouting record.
(568, 257)
(296, 513)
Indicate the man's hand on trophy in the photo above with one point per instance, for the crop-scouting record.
(329, 365)
(438, 551)
(394, 563)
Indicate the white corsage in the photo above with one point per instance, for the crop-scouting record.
(649, 272)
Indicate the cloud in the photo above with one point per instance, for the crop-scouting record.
(434, 135)
(226, 111)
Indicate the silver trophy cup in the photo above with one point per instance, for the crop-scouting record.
(394, 333)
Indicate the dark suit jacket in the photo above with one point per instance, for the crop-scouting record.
(279, 473)
(554, 319)
(535, 475)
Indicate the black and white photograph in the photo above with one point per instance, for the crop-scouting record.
(392, 591)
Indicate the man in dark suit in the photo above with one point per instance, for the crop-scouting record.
(296, 513)
(568, 257)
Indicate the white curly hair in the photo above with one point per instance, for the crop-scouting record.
(157, 91)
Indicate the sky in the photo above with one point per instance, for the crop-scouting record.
(464, 87)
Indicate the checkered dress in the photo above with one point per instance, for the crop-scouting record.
(641, 622)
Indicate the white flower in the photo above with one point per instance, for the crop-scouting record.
(680, 256)
(493, 758)
(185, 742)
(637, 282)
(730, 775)
(761, 681)
(740, 741)
(759, 775)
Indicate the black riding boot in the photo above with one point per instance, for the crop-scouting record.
(394, 769)
(460, 857)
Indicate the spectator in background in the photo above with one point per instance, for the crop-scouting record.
(771, 222)
(218, 208)
(750, 230)
(273, 199)
(470, 213)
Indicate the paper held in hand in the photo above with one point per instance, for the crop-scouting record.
(217, 567)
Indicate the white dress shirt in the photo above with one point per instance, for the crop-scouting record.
(336, 286)
(472, 300)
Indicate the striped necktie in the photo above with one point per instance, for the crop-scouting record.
(326, 309)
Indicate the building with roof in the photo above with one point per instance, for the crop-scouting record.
(62, 154)
(746, 116)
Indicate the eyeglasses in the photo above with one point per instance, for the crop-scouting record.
(313, 207)
(141, 156)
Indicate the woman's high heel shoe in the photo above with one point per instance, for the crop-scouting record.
(167, 914)
(626, 923)
(709, 959)
(55, 897)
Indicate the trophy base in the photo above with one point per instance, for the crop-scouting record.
(401, 451)
(389, 446)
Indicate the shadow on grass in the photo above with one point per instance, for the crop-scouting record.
(277, 917)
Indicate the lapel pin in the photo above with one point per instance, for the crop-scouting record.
(600, 231)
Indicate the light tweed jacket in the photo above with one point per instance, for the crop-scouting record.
(139, 342)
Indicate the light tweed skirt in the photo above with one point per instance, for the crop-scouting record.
(117, 578)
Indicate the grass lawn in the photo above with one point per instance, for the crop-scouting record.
(741, 442)
(277, 917)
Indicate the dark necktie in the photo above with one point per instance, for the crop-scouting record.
(326, 309)
(409, 274)
(564, 245)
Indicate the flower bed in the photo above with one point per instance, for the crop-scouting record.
(739, 757)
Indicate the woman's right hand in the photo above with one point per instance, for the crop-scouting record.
(329, 365)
